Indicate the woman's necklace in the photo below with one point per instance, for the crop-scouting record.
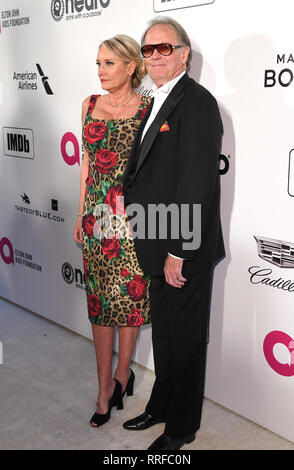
(121, 104)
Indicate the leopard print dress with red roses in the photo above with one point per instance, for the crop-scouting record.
(117, 289)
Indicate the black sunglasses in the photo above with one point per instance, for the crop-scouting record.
(164, 48)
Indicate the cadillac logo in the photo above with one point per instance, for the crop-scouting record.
(276, 251)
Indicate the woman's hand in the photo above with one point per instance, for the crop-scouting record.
(78, 235)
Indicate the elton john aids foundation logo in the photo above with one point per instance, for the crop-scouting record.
(70, 149)
(6, 250)
(271, 341)
(165, 5)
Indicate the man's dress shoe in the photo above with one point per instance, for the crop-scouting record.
(141, 422)
(165, 442)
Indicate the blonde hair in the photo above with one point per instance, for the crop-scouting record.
(128, 50)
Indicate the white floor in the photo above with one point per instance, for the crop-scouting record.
(48, 389)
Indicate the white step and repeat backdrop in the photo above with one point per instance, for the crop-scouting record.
(243, 52)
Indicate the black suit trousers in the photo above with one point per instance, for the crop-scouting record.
(180, 321)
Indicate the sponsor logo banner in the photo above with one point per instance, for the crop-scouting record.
(77, 9)
(273, 339)
(276, 251)
(11, 255)
(12, 18)
(74, 276)
(28, 80)
(165, 5)
(70, 149)
(18, 142)
(43, 214)
(280, 254)
(281, 75)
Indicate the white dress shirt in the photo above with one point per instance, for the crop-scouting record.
(160, 95)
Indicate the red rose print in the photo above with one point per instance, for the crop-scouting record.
(92, 103)
(88, 225)
(135, 318)
(105, 161)
(136, 288)
(114, 199)
(95, 131)
(94, 305)
(125, 272)
(142, 112)
(110, 247)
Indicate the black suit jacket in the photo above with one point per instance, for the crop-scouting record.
(178, 166)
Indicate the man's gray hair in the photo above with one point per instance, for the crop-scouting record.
(183, 36)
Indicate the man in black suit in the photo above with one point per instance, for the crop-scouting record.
(175, 163)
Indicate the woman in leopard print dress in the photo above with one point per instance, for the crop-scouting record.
(117, 289)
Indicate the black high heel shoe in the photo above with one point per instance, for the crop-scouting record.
(130, 385)
(116, 400)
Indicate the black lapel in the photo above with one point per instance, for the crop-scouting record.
(166, 109)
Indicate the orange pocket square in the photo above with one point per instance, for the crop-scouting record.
(164, 127)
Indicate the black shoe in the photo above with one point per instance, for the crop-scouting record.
(164, 442)
(98, 419)
(141, 422)
(116, 400)
(130, 385)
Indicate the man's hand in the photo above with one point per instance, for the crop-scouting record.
(173, 271)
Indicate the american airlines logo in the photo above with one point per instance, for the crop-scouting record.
(44, 80)
(165, 5)
(18, 142)
(276, 252)
(28, 80)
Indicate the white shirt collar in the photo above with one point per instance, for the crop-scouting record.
(167, 87)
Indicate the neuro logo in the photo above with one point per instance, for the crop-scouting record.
(165, 5)
(67, 273)
(44, 80)
(276, 252)
(57, 9)
(270, 341)
(73, 275)
(77, 9)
